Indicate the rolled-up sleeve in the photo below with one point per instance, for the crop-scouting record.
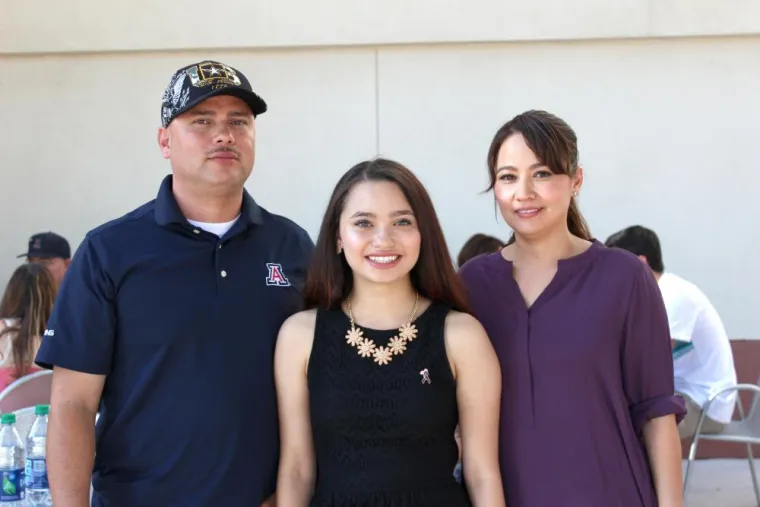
(80, 331)
(647, 361)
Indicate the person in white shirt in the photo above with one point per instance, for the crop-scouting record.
(703, 361)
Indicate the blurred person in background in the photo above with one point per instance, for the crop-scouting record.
(703, 360)
(25, 308)
(478, 244)
(52, 251)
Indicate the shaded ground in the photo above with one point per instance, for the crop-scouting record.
(721, 483)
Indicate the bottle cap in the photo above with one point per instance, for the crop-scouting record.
(42, 409)
(8, 419)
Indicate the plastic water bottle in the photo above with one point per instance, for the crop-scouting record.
(11, 464)
(37, 488)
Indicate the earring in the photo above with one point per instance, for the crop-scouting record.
(575, 194)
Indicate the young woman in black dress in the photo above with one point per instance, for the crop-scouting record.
(375, 375)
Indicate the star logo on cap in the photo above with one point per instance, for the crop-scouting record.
(213, 73)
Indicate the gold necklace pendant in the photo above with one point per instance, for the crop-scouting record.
(396, 345)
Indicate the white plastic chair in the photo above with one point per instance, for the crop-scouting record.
(743, 431)
(28, 391)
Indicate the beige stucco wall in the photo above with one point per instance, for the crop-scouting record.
(130, 25)
(661, 93)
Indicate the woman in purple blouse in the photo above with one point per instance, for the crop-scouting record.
(589, 411)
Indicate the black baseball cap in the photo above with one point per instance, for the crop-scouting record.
(48, 245)
(195, 83)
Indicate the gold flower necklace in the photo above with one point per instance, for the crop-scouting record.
(396, 345)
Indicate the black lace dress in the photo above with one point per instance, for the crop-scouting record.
(384, 434)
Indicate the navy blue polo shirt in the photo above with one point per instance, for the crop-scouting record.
(183, 325)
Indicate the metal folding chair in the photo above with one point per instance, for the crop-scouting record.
(743, 431)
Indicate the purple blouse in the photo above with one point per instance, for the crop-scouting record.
(584, 368)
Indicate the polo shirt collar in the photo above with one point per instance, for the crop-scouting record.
(167, 210)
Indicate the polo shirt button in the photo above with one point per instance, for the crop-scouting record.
(196, 231)
(224, 274)
(220, 247)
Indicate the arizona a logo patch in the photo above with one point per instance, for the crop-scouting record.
(276, 276)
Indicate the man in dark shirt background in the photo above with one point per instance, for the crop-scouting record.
(51, 250)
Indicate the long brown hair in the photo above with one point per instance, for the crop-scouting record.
(555, 144)
(330, 280)
(28, 299)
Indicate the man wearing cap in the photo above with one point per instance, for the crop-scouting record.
(52, 250)
(167, 320)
